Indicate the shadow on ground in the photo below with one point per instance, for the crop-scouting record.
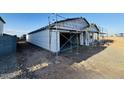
(8, 63)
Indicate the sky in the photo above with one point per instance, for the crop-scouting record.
(23, 23)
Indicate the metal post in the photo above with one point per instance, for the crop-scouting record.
(56, 59)
(102, 34)
(98, 36)
(49, 34)
(70, 43)
(77, 44)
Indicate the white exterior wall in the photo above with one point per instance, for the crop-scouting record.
(1, 27)
(87, 39)
(55, 43)
(95, 36)
(81, 39)
(41, 39)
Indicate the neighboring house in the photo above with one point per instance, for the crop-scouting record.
(2, 22)
(7, 42)
(61, 35)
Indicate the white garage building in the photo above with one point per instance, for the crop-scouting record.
(60, 35)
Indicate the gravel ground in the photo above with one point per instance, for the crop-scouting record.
(89, 63)
(61, 67)
(108, 63)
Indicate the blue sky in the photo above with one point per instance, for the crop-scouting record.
(22, 23)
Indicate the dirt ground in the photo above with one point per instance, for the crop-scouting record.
(106, 61)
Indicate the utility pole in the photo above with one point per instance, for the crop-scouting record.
(56, 59)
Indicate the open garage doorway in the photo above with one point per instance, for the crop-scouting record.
(69, 40)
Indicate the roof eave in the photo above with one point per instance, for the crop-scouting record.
(2, 20)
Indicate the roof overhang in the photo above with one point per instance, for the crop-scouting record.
(52, 26)
(2, 20)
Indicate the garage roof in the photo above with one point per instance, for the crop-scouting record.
(92, 28)
(53, 24)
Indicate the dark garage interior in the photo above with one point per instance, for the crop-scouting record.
(68, 40)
